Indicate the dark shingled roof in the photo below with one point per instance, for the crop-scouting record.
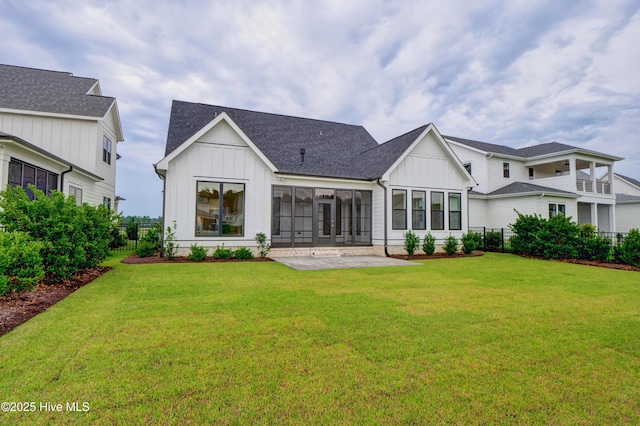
(628, 179)
(527, 152)
(331, 149)
(29, 89)
(523, 188)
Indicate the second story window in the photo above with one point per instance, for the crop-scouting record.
(505, 170)
(106, 150)
(531, 176)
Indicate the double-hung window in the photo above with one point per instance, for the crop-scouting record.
(419, 210)
(76, 193)
(556, 209)
(219, 209)
(437, 211)
(399, 202)
(455, 211)
(106, 149)
(505, 170)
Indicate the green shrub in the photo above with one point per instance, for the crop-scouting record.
(556, 238)
(630, 248)
(72, 236)
(170, 246)
(450, 245)
(146, 249)
(197, 253)
(118, 239)
(593, 247)
(243, 253)
(493, 241)
(132, 230)
(153, 235)
(411, 242)
(429, 244)
(222, 253)
(470, 242)
(263, 247)
(20, 263)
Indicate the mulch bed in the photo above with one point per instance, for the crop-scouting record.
(137, 260)
(15, 311)
(439, 255)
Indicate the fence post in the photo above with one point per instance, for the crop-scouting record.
(502, 233)
(484, 238)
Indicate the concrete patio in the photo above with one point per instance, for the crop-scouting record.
(307, 263)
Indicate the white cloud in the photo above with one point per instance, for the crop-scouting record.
(515, 72)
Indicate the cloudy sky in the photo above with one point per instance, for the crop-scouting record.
(510, 72)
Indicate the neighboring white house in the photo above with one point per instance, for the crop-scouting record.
(627, 202)
(311, 186)
(58, 132)
(545, 179)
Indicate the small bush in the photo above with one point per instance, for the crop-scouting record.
(132, 230)
(197, 253)
(429, 244)
(493, 241)
(451, 245)
(411, 242)
(263, 247)
(630, 248)
(170, 246)
(222, 253)
(470, 242)
(153, 235)
(243, 253)
(146, 249)
(20, 263)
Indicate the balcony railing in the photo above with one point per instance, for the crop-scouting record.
(585, 185)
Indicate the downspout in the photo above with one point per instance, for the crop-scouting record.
(62, 178)
(164, 191)
(386, 251)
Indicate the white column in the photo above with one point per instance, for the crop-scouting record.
(592, 172)
(594, 214)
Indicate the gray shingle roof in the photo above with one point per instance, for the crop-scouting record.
(527, 152)
(331, 149)
(29, 89)
(523, 188)
(628, 179)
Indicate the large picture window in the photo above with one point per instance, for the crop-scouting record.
(399, 202)
(219, 209)
(419, 210)
(437, 211)
(22, 174)
(455, 212)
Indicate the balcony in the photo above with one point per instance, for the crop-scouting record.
(585, 185)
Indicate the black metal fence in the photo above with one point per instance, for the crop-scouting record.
(129, 237)
(499, 239)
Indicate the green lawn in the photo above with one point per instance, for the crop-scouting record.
(496, 339)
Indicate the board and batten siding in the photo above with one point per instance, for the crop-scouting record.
(479, 168)
(428, 167)
(218, 156)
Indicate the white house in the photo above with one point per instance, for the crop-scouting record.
(311, 186)
(627, 202)
(545, 179)
(58, 132)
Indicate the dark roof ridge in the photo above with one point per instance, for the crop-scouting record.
(269, 113)
(424, 126)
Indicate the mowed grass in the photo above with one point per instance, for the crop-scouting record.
(496, 339)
